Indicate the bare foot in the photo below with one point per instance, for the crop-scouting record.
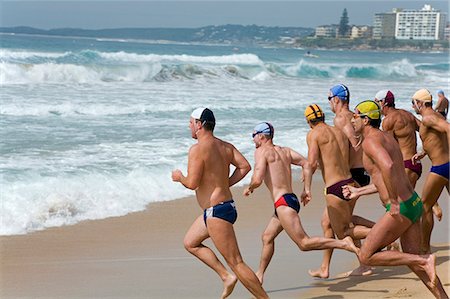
(437, 211)
(430, 269)
(319, 273)
(362, 270)
(228, 286)
(350, 246)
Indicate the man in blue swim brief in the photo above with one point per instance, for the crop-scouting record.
(223, 210)
(435, 134)
(273, 166)
(211, 181)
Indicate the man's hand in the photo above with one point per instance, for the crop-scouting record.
(306, 197)
(247, 191)
(350, 192)
(177, 175)
(395, 209)
(417, 157)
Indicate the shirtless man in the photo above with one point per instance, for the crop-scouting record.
(435, 134)
(384, 161)
(403, 126)
(328, 147)
(273, 166)
(442, 104)
(208, 174)
(339, 99)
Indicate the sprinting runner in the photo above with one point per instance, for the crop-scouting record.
(273, 167)
(208, 174)
(384, 161)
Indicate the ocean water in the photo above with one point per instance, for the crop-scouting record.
(92, 128)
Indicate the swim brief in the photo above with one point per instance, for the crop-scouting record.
(360, 176)
(289, 200)
(416, 168)
(441, 170)
(336, 189)
(411, 209)
(225, 210)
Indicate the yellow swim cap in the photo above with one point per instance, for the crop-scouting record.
(313, 112)
(369, 109)
(422, 95)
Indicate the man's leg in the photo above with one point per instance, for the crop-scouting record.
(340, 213)
(410, 245)
(272, 230)
(196, 234)
(324, 270)
(224, 238)
(384, 232)
(431, 190)
(290, 221)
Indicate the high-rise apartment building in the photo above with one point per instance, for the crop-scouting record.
(424, 24)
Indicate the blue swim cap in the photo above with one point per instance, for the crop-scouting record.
(264, 128)
(440, 91)
(341, 91)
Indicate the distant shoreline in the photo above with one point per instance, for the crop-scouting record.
(235, 36)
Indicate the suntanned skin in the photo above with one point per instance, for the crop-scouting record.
(435, 134)
(442, 104)
(273, 166)
(403, 126)
(329, 147)
(208, 174)
(383, 160)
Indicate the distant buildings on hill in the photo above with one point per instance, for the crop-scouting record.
(402, 24)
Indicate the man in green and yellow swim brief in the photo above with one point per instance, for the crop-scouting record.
(383, 160)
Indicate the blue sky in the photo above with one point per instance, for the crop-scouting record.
(119, 14)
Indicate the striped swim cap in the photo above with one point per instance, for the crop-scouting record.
(369, 108)
(422, 95)
(313, 112)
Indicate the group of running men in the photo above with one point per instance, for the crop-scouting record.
(350, 154)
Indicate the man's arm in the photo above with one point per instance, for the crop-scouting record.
(242, 167)
(258, 173)
(381, 158)
(438, 104)
(351, 192)
(298, 159)
(388, 126)
(195, 170)
(437, 123)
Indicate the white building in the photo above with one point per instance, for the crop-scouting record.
(360, 31)
(329, 31)
(424, 24)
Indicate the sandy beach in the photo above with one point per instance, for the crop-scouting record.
(141, 255)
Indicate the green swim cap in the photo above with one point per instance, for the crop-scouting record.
(369, 108)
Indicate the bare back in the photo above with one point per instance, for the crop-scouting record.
(342, 121)
(278, 176)
(403, 126)
(216, 156)
(434, 142)
(333, 147)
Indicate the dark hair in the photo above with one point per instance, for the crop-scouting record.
(317, 120)
(208, 125)
(375, 123)
(428, 104)
(389, 104)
